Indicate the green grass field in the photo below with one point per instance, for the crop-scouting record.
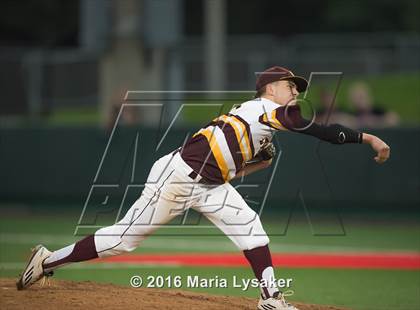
(354, 288)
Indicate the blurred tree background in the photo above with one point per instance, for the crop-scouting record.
(54, 23)
(64, 58)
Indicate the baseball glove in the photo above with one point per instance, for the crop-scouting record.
(267, 151)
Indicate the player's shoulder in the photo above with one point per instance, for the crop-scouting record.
(254, 106)
(252, 110)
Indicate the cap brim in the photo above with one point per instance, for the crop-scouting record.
(301, 83)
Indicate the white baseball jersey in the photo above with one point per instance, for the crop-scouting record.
(220, 150)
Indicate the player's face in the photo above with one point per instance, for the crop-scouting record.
(283, 92)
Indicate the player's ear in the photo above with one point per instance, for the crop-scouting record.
(269, 89)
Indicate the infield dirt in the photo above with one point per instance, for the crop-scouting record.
(65, 295)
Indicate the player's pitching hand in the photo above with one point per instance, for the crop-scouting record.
(379, 146)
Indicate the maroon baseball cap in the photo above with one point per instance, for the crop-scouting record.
(277, 73)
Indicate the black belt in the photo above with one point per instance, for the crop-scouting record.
(193, 175)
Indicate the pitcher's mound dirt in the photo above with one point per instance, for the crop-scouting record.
(65, 295)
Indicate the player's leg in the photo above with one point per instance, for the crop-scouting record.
(144, 217)
(226, 208)
(150, 211)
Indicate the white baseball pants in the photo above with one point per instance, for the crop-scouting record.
(169, 192)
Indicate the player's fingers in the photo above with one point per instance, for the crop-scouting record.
(384, 154)
(385, 150)
(380, 159)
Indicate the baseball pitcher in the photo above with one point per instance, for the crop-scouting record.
(197, 176)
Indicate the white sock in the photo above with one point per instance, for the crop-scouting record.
(268, 276)
(59, 254)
